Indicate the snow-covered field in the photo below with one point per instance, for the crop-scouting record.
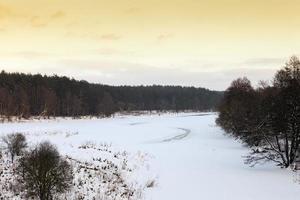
(161, 157)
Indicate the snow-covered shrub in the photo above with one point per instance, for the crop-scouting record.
(15, 144)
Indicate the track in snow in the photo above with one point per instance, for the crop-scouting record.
(178, 137)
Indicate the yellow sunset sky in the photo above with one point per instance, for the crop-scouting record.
(134, 42)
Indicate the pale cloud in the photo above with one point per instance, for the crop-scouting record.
(42, 21)
(94, 36)
(132, 11)
(162, 37)
(58, 14)
(115, 71)
(38, 22)
(130, 73)
(112, 52)
(14, 16)
(264, 61)
(26, 54)
(110, 36)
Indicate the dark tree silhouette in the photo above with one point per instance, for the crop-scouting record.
(280, 128)
(266, 118)
(44, 172)
(238, 110)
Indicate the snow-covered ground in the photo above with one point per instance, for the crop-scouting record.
(169, 156)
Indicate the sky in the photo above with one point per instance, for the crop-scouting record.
(143, 42)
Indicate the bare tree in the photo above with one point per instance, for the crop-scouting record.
(280, 128)
(44, 172)
(15, 143)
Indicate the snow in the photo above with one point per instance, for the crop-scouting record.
(182, 156)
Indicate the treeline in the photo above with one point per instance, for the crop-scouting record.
(26, 95)
(266, 118)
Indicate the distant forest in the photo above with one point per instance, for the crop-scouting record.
(26, 95)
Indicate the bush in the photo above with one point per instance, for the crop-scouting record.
(15, 143)
(238, 114)
(44, 172)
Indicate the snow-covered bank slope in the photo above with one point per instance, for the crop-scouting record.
(190, 156)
